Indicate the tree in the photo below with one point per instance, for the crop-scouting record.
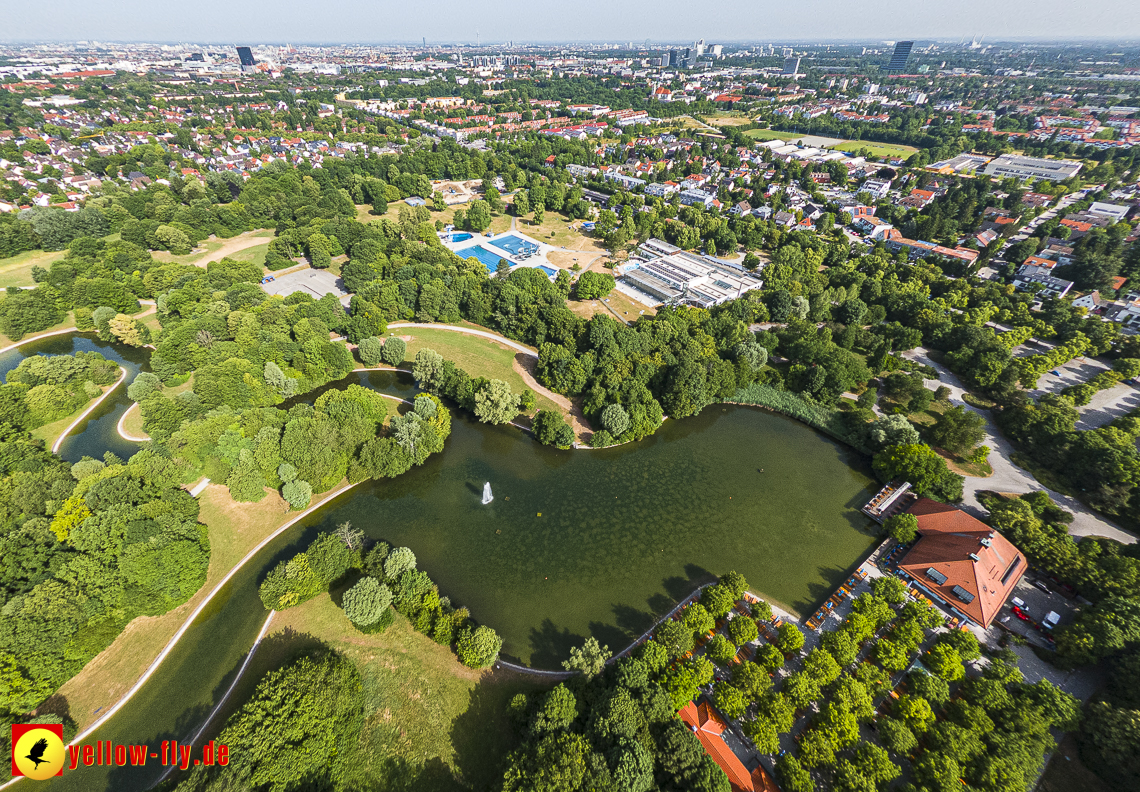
(371, 351)
(398, 562)
(720, 650)
(895, 736)
(594, 285)
(615, 420)
(891, 655)
(945, 661)
(297, 493)
(366, 602)
(729, 700)
(676, 639)
(792, 776)
(296, 728)
(922, 467)
(717, 600)
(915, 712)
(394, 351)
(903, 528)
(478, 648)
(353, 538)
(789, 639)
(558, 710)
(494, 402)
(957, 430)
(551, 429)
(890, 589)
(742, 630)
(144, 385)
(478, 215)
(588, 659)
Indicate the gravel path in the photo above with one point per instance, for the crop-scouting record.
(1008, 477)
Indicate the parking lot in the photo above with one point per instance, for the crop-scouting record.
(314, 282)
(1105, 405)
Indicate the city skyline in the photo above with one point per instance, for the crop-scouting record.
(506, 20)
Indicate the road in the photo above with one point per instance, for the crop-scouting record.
(1008, 477)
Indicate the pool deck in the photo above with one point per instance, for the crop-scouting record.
(488, 242)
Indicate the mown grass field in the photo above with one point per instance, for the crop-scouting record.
(234, 529)
(877, 149)
(479, 357)
(17, 270)
(771, 134)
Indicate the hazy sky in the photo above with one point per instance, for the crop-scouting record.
(233, 21)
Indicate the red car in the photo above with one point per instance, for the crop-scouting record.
(1019, 613)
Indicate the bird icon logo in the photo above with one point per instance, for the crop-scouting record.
(37, 753)
(37, 750)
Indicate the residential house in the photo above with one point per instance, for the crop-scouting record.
(1030, 278)
(872, 227)
(1090, 302)
(879, 188)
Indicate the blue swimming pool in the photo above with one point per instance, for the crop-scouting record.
(515, 245)
(489, 258)
(550, 273)
(458, 236)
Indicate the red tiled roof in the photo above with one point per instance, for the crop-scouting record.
(968, 554)
(708, 727)
(1118, 281)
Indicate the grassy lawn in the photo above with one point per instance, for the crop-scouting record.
(430, 723)
(771, 134)
(234, 530)
(479, 357)
(877, 149)
(625, 307)
(17, 270)
(555, 230)
(1065, 771)
(726, 118)
(499, 222)
(255, 254)
(217, 249)
(132, 422)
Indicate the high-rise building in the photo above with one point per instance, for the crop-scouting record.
(791, 67)
(245, 55)
(717, 50)
(700, 47)
(900, 56)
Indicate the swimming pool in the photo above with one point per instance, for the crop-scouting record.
(515, 245)
(459, 236)
(489, 258)
(550, 273)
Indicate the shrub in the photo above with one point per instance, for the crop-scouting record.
(399, 561)
(594, 285)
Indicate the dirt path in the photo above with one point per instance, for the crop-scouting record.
(573, 411)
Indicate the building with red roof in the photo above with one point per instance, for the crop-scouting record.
(708, 727)
(962, 562)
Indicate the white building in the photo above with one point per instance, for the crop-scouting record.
(1032, 168)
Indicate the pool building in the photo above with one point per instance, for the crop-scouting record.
(667, 274)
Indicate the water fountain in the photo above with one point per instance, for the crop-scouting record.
(487, 496)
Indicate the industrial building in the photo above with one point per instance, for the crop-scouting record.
(671, 275)
(1032, 168)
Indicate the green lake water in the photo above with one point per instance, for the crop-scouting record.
(576, 543)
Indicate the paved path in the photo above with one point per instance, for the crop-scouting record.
(1008, 477)
(123, 433)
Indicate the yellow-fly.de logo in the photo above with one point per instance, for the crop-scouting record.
(37, 750)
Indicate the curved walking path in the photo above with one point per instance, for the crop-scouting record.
(1008, 477)
(59, 440)
(470, 331)
(122, 430)
(241, 672)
